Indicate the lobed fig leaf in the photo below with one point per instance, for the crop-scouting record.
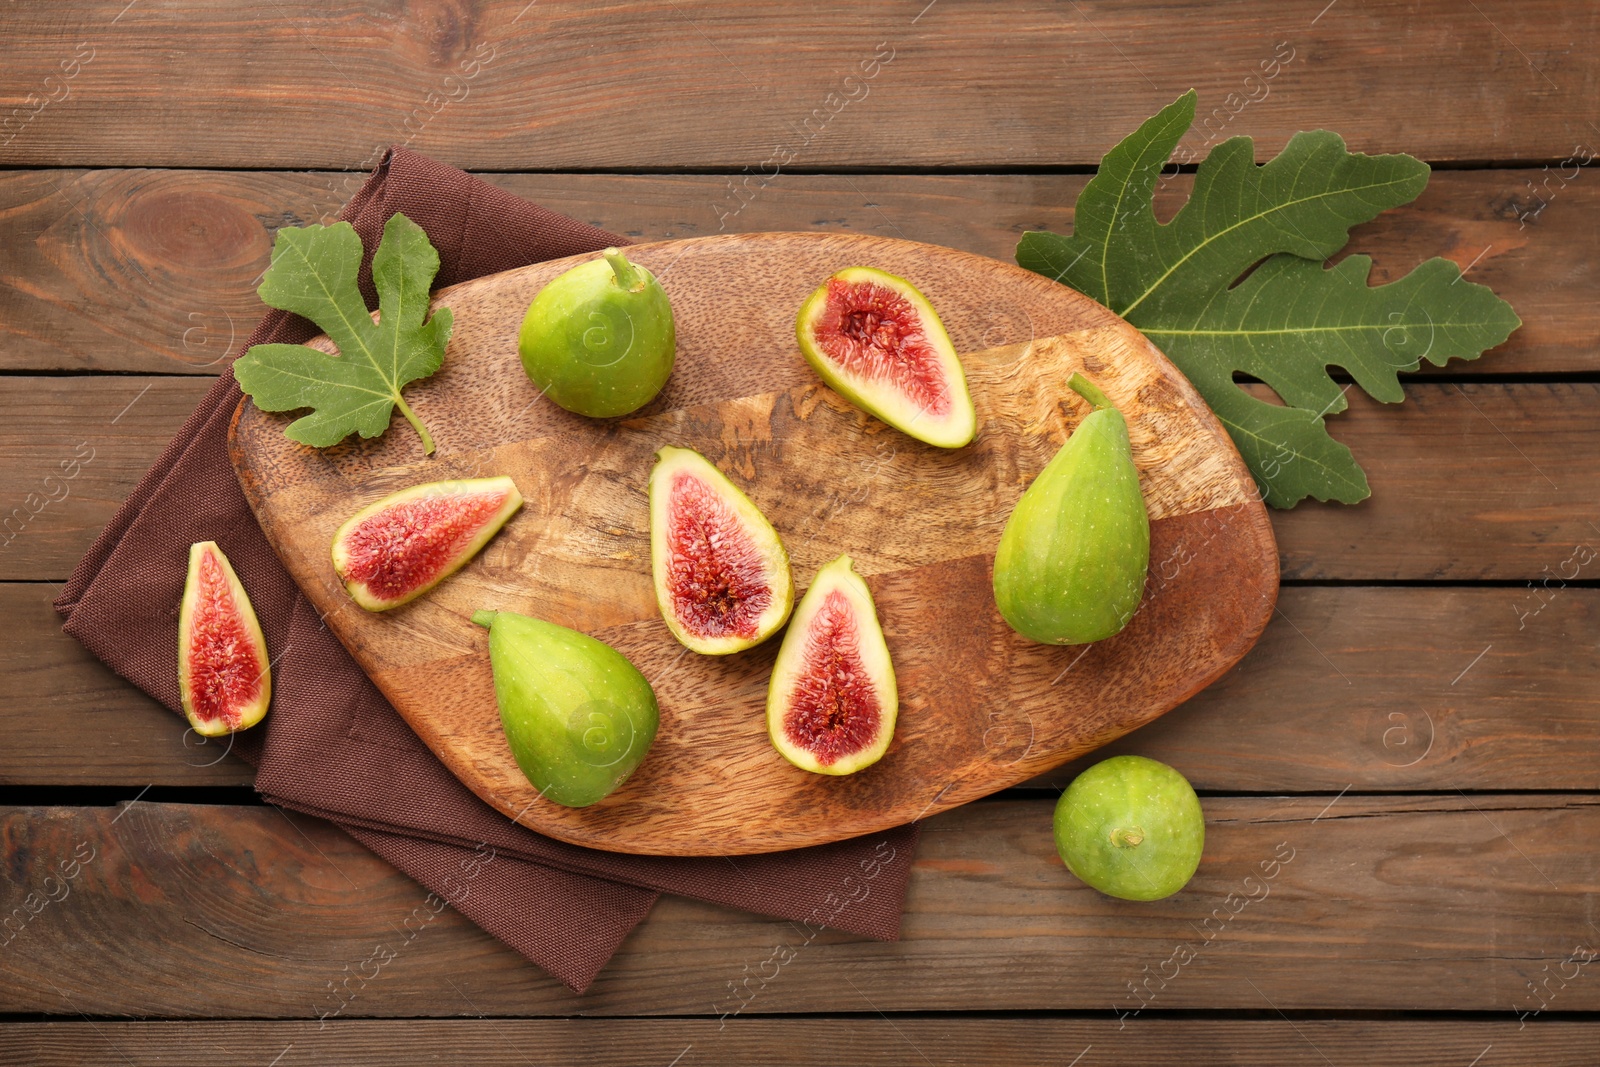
(1289, 320)
(313, 273)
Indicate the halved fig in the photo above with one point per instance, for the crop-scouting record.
(224, 676)
(393, 551)
(878, 342)
(721, 572)
(832, 702)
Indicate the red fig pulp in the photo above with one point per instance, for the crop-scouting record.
(393, 551)
(224, 676)
(721, 572)
(832, 702)
(878, 342)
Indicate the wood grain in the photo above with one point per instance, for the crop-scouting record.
(155, 270)
(920, 522)
(65, 719)
(825, 1042)
(1412, 904)
(568, 85)
(71, 450)
(1395, 690)
(1386, 904)
(1458, 485)
(1457, 494)
(1376, 688)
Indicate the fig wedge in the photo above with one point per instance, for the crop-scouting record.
(878, 343)
(832, 701)
(721, 572)
(224, 676)
(391, 552)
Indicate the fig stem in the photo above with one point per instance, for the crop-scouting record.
(629, 277)
(1089, 391)
(416, 424)
(484, 618)
(1130, 837)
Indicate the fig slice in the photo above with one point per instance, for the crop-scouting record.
(832, 702)
(722, 575)
(224, 676)
(878, 342)
(393, 551)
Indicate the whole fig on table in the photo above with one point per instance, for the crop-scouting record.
(599, 340)
(579, 717)
(1073, 558)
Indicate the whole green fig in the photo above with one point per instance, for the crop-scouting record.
(578, 716)
(1071, 564)
(599, 339)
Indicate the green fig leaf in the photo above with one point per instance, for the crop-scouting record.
(1288, 320)
(313, 274)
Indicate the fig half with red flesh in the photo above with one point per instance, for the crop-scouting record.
(224, 676)
(721, 572)
(393, 551)
(878, 342)
(832, 701)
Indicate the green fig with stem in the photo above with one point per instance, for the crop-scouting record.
(1073, 558)
(599, 340)
(579, 717)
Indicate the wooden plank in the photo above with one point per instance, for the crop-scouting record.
(71, 449)
(821, 1041)
(1395, 689)
(65, 719)
(155, 271)
(1469, 482)
(1474, 481)
(1373, 689)
(1311, 903)
(568, 85)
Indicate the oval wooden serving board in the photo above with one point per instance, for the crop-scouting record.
(981, 708)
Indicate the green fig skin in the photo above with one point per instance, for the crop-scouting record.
(578, 716)
(599, 340)
(1072, 561)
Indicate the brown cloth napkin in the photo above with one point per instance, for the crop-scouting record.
(332, 746)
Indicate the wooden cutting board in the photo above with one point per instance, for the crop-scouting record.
(981, 708)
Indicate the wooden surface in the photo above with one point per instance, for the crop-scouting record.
(1440, 903)
(1426, 660)
(867, 1040)
(980, 707)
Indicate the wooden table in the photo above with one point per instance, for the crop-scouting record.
(1418, 729)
